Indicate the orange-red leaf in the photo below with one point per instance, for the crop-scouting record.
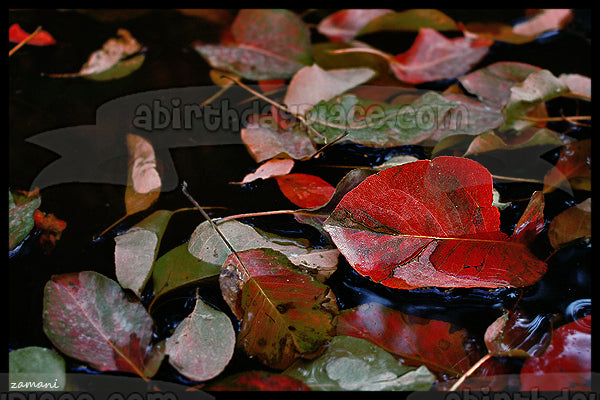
(16, 34)
(306, 191)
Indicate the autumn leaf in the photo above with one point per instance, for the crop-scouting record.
(544, 21)
(284, 313)
(136, 250)
(434, 57)
(264, 141)
(257, 381)
(410, 20)
(566, 364)
(262, 45)
(202, 344)
(573, 168)
(573, 223)
(21, 208)
(37, 365)
(51, 229)
(514, 334)
(430, 223)
(16, 34)
(143, 181)
(306, 191)
(439, 345)
(490, 141)
(89, 317)
(352, 363)
(344, 25)
(271, 168)
(118, 58)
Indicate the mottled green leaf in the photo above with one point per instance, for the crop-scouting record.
(352, 363)
(36, 368)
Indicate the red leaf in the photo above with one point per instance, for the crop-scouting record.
(270, 84)
(532, 221)
(89, 317)
(306, 191)
(432, 57)
(258, 381)
(430, 223)
(16, 35)
(437, 344)
(566, 364)
(344, 25)
(573, 168)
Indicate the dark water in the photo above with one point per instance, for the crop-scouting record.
(38, 104)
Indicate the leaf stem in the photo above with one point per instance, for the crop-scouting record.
(24, 41)
(470, 371)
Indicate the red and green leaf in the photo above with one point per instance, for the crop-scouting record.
(90, 318)
(430, 223)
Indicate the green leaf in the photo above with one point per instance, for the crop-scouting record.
(177, 268)
(351, 363)
(410, 20)
(21, 206)
(36, 369)
(266, 44)
(202, 344)
(136, 250)
(378, 124)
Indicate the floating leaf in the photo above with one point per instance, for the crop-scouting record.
(344, 25)
(284, 313)
(263, 45)
(313, 84)
(270, 169)
(351, 363)
(439, 345)
(571, 224)
(306, 191)
(36, 368)
(89, 317)
(21, 207)
(573, 168)
(579, 85)
(532, 221)
(143, 180)
(489, 141)
(430, 223)
(136, 250)
(410, 20)
(177, 268)
(264, 142)
(514, 334)
(379, 124)
(202, 344)
(494, 31)
(492, 83)
(257, 381)
(433, 57)
(16, 34)
(546, 20)
(51, 229)
(566, 364)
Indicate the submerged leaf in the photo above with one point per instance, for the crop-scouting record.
(430, 223)
(257, 381)
(573, 223)
(284, 313)
(351, 363)
(514, 334)
(21, 207)
(573, 168)
(90, 318)
(202, 344)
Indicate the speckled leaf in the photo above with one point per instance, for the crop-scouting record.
(202, 344)
(264, 141)
(21, 206)
(351, 363)
(136, 250)
(36, 365)
(284, 313)
(264, 44)
(379, 124)
(90, 318)
(430, 223)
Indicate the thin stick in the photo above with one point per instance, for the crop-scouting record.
(212, 223)
(470, 371)
(337, 139)
(266, 213)
(24, 41)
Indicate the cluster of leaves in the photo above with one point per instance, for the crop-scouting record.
(405, 224)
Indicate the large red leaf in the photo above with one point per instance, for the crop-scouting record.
(284, 313)
(89, 317)
(433, 56)
(439, 345)
(430, 223)
(566, 364)
(258, 381)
